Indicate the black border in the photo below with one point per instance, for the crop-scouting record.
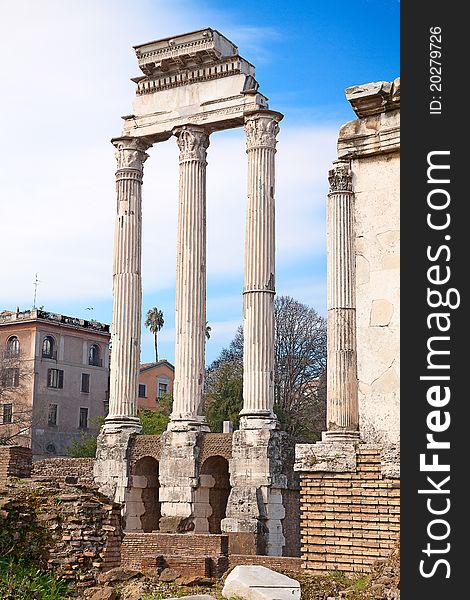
(422, 132)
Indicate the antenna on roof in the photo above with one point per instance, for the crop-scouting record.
(36, 284)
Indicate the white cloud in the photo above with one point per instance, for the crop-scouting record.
(65, 84)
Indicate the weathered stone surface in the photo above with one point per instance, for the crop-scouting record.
(105, 593)
(118, 574)
(260, 583)
(331, 457)
(169, 575)
(194, 597)
(194, 580)
(381, 313)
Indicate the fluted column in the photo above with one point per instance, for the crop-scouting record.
(261, 129)
(190, 317)
(127, 284)
(342, 397)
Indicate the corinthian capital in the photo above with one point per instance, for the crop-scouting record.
(130, 152)
(340, 178)
(193, 142)
(261, 129)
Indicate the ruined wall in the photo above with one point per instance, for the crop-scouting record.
(349, 519)
(371, 144)
(376, 190)
(80, 469)
(15, 461)
(75, 531)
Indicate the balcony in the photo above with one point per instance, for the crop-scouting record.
(95, 362)
(51, 355)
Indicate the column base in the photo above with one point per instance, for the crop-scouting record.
(197, 424)
(339, 435)
(112, 461)
(255, 506)
(116, 424)
(258, 420)
(178, 474)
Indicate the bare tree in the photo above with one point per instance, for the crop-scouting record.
(299, 378)
(300, 364)
(16, 410)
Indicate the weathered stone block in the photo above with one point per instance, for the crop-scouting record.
(260, 583)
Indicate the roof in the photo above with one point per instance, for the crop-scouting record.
(151, 365)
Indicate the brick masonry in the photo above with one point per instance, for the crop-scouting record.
(15, 461)
(187, 553)
(349, 520)
(60, 468)
(281, 563)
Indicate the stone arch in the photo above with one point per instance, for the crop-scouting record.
(143, 503)
(214, 476)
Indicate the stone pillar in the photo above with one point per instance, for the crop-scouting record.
(127, 284)
(179, 476)
(342, 393)
(122, 420)
(255, 507)
(261, 129)
(190, 317)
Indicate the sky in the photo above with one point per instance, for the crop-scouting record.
(66, 67)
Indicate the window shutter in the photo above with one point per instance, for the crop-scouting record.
(61, 379)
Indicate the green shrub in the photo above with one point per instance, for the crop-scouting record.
(22, 581)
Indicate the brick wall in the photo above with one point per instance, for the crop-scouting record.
(349, 520)
(15, 461)
(215, 444)
(282, 563)
(59, 468)
(180, 551)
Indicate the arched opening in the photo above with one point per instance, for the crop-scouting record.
(215, 476)
(143, 505)
(94, 358)
(48, 347)
(13, 347)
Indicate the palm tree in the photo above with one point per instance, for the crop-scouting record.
(155, 322)
(208, 331)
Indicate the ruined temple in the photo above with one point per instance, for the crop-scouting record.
(236, 494)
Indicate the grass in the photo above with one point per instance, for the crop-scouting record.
(22, 581)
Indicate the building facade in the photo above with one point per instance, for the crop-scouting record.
(55, 379)
(155, 382)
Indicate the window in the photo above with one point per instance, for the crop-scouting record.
(106, 407)
(163, 386)
(52, 415)
(142, 390)
(94, 356)
(85, 387)
(55, 378)
(48, 350)
(13, 347)
(83, 419)
(7, 413)
(11, 377)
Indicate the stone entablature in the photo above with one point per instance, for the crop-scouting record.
(377, 128)
(178, 86)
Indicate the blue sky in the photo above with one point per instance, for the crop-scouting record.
(66, 69)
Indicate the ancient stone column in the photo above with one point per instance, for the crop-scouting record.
(190, 318)
(127, 285)
(342, 394)
(261, 129)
